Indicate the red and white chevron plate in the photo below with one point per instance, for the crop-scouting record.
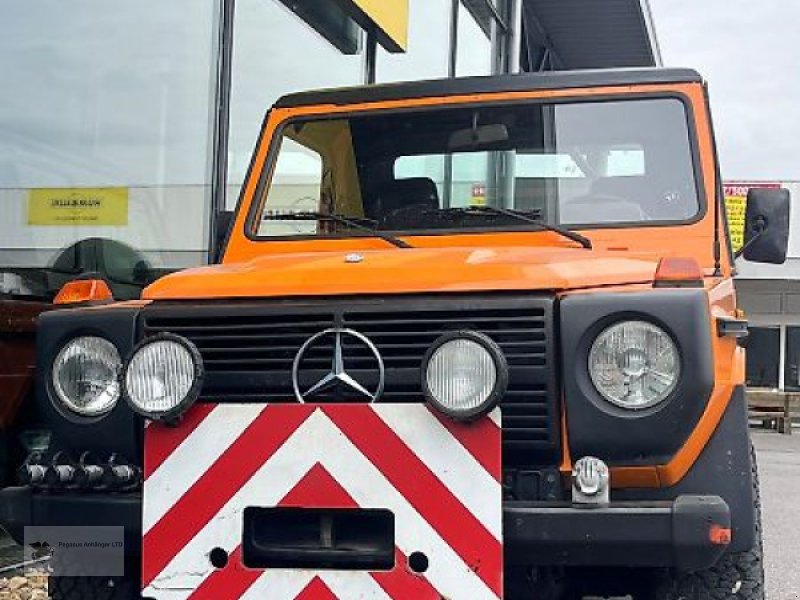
(441, 479)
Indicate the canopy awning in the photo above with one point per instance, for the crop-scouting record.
(588, 34)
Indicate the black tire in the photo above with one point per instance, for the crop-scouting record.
(738, 575)
(102, 588)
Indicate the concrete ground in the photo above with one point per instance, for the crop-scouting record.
(779, 468)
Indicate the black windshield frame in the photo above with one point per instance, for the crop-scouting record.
(265, 179)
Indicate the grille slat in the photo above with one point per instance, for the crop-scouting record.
(248, 351)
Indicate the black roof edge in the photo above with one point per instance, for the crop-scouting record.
(522, 82)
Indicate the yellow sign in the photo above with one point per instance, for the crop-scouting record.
(388, 17)
(736, 207)
(69, 207)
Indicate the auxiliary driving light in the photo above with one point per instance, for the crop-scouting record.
(464, 374)
(163, 376)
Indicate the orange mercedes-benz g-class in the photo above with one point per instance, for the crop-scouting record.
(468, 339)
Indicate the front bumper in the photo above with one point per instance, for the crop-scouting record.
(679, 533)
(688, 533)
(21, 507)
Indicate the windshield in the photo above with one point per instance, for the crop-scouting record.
(579, 165)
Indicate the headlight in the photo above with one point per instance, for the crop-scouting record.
(162, 379)
(634, 364)
(86, 376)
(464, 374)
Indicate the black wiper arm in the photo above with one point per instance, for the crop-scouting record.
(317, 216)
(530, 218)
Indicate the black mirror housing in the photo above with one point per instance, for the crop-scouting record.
(766, 228)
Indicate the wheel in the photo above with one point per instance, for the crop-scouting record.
(738, 575)
(125, 587)
(99, 588)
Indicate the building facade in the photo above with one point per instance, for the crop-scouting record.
(770, 295)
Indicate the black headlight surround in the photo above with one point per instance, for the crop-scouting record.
(174, 414)
(118, 430)
(501, 368)
(652, 435)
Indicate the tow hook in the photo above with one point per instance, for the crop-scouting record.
(590, 483)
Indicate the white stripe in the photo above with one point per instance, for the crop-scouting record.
(455, 467)
(193, 457)
(360, 586)
(496, 417)
(319, 440)
(281, 584)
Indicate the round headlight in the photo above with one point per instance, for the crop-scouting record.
(464, 374)
(634, 364)
(163, 376)
(86, 376)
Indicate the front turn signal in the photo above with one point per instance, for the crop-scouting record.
(679, 272)
(84, 290)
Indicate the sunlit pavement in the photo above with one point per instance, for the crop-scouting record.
(779, 466)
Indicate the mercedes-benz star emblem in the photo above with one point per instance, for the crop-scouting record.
(338, 373)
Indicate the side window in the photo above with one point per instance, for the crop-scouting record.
(296, 187)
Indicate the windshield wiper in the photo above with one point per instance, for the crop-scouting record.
(341, 219)
(529, 217)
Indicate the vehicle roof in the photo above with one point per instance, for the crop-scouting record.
(497, 83)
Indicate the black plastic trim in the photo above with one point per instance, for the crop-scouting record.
(21, 507)
(118, 430)
(489, 84)
(724, 469)
(633, 534)
(651, 436)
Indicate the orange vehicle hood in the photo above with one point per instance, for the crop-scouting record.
(415, 270)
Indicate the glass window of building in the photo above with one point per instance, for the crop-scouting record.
(104, 140)
(763, 357)
(792, 365)
(474, 54)
(277, 52)
(428, 53)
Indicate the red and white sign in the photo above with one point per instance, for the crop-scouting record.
(440, 479)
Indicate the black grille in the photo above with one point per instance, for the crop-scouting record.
(248, 350)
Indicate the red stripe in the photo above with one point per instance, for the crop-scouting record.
(163, 440)
(316, 590)
(318, 489)
(206, 497)
(481, 439)
(479, 549)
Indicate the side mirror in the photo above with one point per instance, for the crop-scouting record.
(766, 227)
(222, 224)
